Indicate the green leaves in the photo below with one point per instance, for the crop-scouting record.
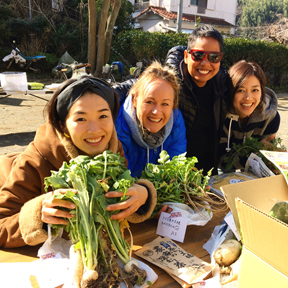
(176, 180)
(92, 177)
(251, 145)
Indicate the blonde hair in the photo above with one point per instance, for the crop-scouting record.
(156, 71)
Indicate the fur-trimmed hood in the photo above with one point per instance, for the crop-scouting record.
(22, 184)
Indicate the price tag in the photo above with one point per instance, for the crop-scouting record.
(172, 225)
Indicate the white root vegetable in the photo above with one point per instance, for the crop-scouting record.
(129, 266)
(227, 252)
(89, 275)
(233, 274)
(76, 265)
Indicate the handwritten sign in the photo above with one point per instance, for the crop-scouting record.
(172, 225)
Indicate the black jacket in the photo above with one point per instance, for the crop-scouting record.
(190, 108)
(123, 88)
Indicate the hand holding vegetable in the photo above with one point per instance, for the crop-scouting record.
(51, 214)
(98, 239)
(137, 197)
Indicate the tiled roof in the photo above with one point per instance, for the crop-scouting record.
(185, 17)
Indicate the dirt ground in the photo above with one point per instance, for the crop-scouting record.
(21, 115)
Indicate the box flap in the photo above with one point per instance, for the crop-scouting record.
(264, 236)
(258, 193)
(255, 272)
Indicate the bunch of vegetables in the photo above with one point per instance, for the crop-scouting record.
(241, 152)
(96, 238)
(280, 211)
(178, 180)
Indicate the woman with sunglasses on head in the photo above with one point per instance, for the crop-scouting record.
(149, 121)
(203, 95)
(81, 117)
(252, 111)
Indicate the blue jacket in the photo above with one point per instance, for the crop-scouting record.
(137, 152)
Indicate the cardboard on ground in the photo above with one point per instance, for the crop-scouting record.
(264, 259)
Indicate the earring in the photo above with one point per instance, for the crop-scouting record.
(66, 135)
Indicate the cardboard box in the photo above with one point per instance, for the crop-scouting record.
(264, 260)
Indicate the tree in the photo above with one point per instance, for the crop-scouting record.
(109, 12)
(125, 20)
(256, 13)
(92, 13)
(278, 31)
(105, 32)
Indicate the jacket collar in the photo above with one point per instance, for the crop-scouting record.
(56, 148)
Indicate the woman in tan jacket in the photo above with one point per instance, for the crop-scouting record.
(81, 117)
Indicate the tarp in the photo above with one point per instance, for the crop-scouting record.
(67, 59)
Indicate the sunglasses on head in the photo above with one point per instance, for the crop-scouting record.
(199, 55)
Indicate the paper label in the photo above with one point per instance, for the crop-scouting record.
(167, 255)
(172, 225)
(279, 159)
(230, 221)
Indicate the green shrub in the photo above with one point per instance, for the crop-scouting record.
(136, 45)
(51, 59)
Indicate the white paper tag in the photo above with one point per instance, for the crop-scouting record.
(230, 221)
(172, 225)
(52, 255)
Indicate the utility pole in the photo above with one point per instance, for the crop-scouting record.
(179, 16)
(30, 15)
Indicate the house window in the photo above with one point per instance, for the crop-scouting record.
(194, 2)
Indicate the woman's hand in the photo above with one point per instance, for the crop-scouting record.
(50, 212)
(166, 209)
(138, 195)
(268, 139)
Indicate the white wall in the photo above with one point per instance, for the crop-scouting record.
(152, 26)
(223, 9)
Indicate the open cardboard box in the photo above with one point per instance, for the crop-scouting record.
(264, 260)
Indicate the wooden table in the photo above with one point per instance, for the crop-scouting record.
(195, 238)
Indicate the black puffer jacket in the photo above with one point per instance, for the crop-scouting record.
(123, 88)
(189, 106)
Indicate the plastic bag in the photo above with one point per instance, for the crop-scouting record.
(198, 218)
(55, 246)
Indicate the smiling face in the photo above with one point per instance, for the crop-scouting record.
(156, 105)
(247, 97)
(90, 124)
(202, 71)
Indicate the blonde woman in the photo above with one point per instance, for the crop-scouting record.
(149, 121)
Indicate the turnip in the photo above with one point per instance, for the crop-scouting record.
(232, 271)
(76, 265)
(227, 252)
(98, 239)
(89, 277)
(129, 266)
